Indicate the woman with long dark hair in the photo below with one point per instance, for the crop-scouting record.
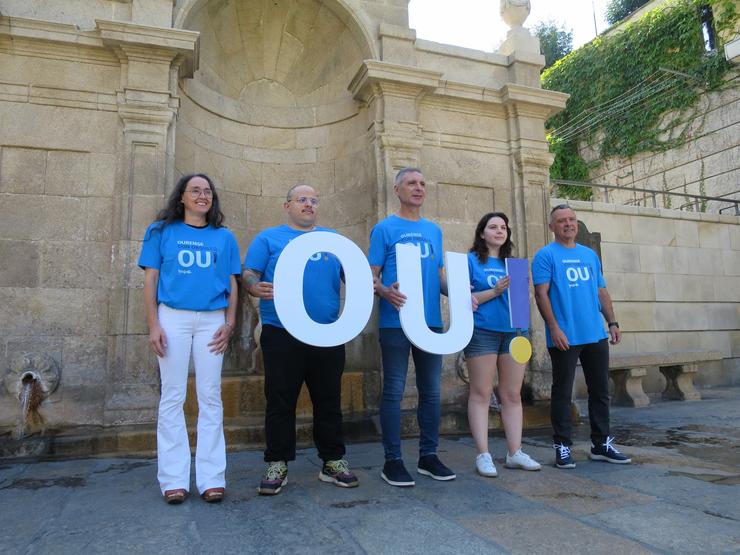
(487, 354)
(191, 263)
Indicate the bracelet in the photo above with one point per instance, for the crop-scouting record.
(613, 324)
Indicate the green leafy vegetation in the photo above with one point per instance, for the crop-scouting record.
(617, 10)
(623, 101)
(555, 41)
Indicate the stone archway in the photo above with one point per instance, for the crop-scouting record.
(269, 106)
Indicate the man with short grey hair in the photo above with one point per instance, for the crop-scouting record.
(407, 226)
(573, 300)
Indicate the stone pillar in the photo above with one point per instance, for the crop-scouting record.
(392, 94)
(147, 103)
(527, 107)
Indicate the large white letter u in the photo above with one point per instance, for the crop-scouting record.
(408, 261)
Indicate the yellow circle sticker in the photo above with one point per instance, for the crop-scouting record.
(520, 349)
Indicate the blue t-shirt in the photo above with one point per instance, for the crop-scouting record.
(321, 279)
(494, 314)
(575, 277)
(428, 237)
(195, 264)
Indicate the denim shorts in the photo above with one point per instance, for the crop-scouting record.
(485, 342)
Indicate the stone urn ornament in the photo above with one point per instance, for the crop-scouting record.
(518, 39)
(514, 12)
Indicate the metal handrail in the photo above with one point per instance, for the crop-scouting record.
(652, 192)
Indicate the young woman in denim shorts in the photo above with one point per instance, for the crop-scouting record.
(487, 354)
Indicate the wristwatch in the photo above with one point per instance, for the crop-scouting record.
(614, 324)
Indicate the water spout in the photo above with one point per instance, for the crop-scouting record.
(29, 397)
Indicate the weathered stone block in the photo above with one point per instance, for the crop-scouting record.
(82, 404)
(52, 312)
(33, 217)
(679, 316)
(84, 360)
(264, 212)
(713, 236)
(651, 259)
(76, 265)
(621, 257)
(102, 177)
(21, 266)
(613, 228)
(241, 176)
(630, 286)
(99, 221)
(278, 178)
(67, 173)
(731, 263)
(687, 233)
(636, 316)
(680, 288)
(22, 170)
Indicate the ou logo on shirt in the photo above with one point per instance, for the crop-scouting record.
(492, 279)
(424, 247)
(187, 258)
(574, 274)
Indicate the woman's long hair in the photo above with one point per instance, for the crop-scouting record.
(174, 210)
(479, 243)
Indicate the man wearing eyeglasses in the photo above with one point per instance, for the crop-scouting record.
(573, 300)
(289, 362)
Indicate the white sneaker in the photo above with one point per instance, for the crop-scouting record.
(521, 460)
(484, 465)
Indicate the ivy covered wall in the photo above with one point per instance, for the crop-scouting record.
(638, 91)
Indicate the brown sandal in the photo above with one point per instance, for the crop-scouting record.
(175, 496)
(213, 495)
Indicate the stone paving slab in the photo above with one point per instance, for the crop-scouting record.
(671, 500)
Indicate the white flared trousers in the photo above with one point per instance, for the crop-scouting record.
(185, 331)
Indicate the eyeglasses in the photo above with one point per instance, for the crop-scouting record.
(313, 201)
(195, 193)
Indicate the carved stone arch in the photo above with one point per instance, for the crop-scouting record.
(356, 22)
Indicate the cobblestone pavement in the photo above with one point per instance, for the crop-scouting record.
(682, 495)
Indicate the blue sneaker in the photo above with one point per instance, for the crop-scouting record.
(430, 465)
(562, 456)
(396, 474)
(607, 452)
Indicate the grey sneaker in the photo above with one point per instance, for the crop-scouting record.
(276, 476)
(338, 473)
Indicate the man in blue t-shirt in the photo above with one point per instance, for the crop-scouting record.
(290, 362)
(572, 298)
(407, 226)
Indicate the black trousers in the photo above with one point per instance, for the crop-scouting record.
(595, 362)
(288, 363)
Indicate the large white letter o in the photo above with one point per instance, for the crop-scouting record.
(288, 288)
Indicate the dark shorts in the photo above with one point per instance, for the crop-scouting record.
(486, 342)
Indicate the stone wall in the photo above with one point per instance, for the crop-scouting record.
(104, 103)
(675, 280)
(708, 163)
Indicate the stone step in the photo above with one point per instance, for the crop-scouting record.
(244, 395)
(242, 433)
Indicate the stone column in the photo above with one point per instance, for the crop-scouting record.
(392, 94)
(527, 107)
(147, 103)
